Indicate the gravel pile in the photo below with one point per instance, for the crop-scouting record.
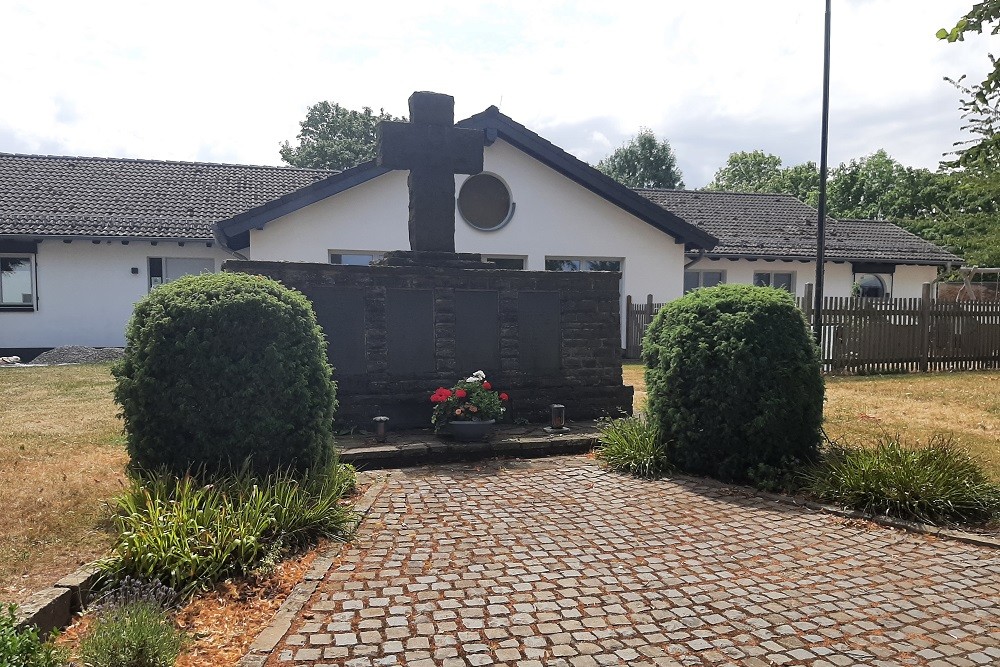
(78, 354)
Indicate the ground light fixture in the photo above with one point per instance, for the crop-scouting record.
(381, 424)
(557, 423)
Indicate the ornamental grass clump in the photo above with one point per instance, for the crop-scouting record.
(471, 399)
(25, 647)
(734, 383)
(631, 445)
(191, 531)
(935, 483)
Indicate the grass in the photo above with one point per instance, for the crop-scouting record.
(962, 406)
(61, 457)
(629, 445)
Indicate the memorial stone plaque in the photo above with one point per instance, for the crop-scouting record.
(410, 336)
(477, 331)
(340, 311)
(538, 332)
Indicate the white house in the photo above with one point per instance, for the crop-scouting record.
(81, 239)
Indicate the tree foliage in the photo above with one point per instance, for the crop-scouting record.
(757, 171)
(334, 137)
(644, 162)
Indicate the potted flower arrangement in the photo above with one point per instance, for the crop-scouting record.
(468, 409)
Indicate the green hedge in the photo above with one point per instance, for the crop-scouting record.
(225, 368)
(734, 383)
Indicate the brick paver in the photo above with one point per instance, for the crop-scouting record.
(559, 562)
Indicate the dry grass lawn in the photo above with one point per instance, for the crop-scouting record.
(965, 406)
(61, 456)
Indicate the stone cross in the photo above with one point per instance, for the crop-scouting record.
(434, 150)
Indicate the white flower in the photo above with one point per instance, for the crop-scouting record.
(478, 376)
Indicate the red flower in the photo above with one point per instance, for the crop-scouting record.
(461, 393)
(440, 395)
(504, 397)
(487, 385)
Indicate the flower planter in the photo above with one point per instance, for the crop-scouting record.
(471, 431)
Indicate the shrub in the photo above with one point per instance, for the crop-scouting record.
(221, 368)
(631, 445)
(138, 633)
(934, 483)
(25, 647)
(188, 533)
(733, 381)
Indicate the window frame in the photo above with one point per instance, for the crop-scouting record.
(511, 204)
(724, 278)
(770, 279)
(581, 259)
(164, 259)
(31, 306)
(374, 254)
(523, 258)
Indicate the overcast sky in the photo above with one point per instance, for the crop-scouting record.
(229, 81)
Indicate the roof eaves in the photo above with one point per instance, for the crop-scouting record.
(240, 225)
(604, 186)
(832, 257)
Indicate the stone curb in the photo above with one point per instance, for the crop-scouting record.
(265, 642)
(433, 452)
(52, 608)
(890, 522)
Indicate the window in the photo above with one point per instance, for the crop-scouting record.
(582, 264)
(164, 269)
(355, 257)
(872, 285)
(484, 202)
(505, 262)
(695, 279)
(785, 281)
(16, 283)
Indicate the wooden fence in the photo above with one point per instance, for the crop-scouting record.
(884, 335)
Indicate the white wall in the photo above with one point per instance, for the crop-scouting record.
(554, 216)
(86, 291)
(838, 278)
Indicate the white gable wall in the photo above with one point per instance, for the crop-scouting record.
(86, 291)
(554, 217)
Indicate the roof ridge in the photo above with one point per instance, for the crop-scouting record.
(169, 162)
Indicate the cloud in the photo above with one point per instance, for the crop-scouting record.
(227, 82)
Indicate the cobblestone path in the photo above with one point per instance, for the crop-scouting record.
(558, 562)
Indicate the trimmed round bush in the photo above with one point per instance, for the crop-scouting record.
(734, 383)
(225, 370)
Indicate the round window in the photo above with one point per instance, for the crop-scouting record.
(484, 202)
(870, 285)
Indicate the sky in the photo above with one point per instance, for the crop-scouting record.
(222, 81)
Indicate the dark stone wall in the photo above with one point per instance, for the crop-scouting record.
(394, 338)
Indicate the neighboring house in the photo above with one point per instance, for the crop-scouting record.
(770, 239)
(81, 239)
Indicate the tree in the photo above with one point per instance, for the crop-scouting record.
(644, 162)
(758, 171)
(755, 171)
(978, 19)
(333, 137)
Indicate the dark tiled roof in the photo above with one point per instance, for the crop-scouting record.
(114, 197)
(781, 226)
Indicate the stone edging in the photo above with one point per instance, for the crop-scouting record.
(890, 522)
(281, 622)
(52, 608)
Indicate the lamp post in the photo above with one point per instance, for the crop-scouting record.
(821, 226)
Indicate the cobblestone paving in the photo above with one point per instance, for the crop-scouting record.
(558, 562)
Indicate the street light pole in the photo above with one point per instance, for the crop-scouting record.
(821, 226)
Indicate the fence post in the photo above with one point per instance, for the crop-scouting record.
(649, 305)
(925, 326)
(629, 326)
(807, 308)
